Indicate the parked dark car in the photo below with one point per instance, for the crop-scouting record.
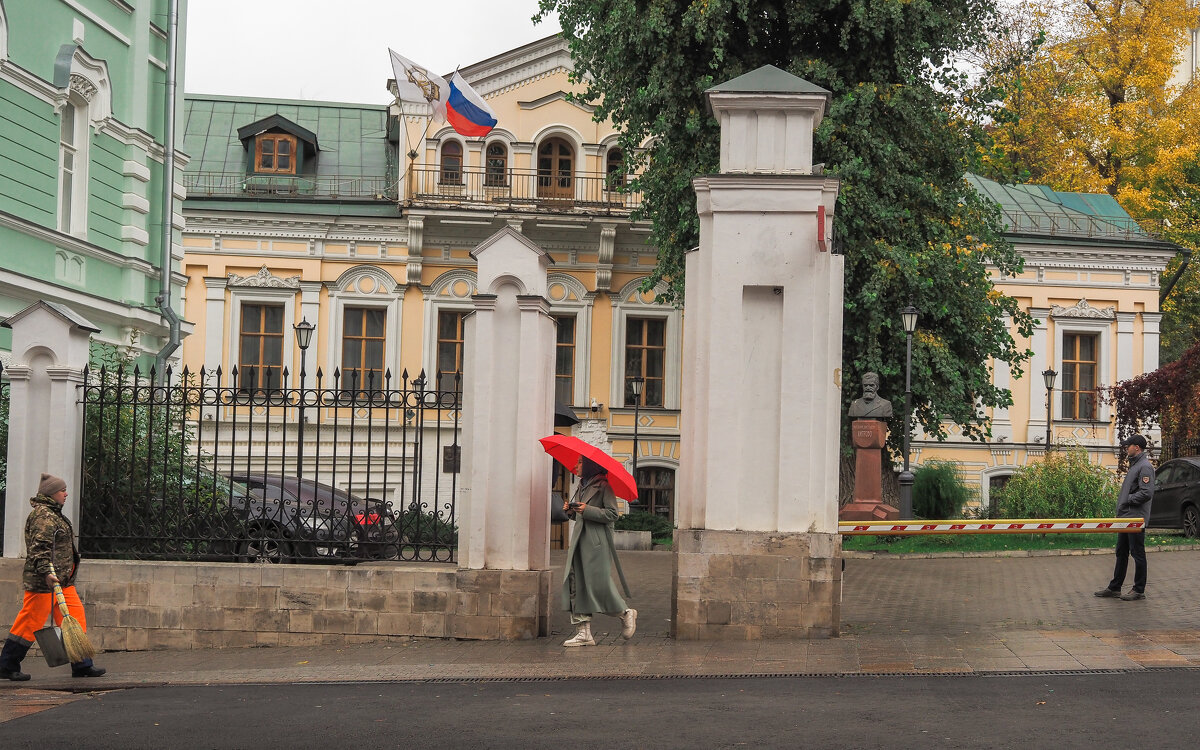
(1177, 496)
(292, 519)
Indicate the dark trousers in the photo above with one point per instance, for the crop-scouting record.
(1130, 544)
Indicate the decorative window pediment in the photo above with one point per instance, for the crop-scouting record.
(265, 279)
(1082, 309)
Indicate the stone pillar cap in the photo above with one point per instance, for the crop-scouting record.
(768, 80)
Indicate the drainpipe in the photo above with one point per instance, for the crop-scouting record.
(1166, 292)
(163, 300)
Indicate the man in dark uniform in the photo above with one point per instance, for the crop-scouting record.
(1134, 501)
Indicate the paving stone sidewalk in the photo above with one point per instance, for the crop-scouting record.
(899, 616)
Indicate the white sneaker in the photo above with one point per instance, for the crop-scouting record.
(628, 623)
(583, 637)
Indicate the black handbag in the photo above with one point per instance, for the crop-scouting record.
(557, 514)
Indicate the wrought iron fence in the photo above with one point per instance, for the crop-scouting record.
(1173, 447)
(203, 467)
(591, 192)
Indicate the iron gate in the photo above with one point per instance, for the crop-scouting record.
(201, 467)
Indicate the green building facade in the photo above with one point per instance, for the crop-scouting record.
(82, 124)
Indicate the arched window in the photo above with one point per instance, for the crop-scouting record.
(452, 163)
(556, 170)
(656, 491)
(497, 165)
(614, 166)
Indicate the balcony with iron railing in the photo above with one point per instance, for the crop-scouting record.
(517, 189)
(510, 189)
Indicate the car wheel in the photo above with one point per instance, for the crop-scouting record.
(1191, 521)
(265, 547)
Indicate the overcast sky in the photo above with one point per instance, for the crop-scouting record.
(336, 50)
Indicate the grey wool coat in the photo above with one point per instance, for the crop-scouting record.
(590, 555)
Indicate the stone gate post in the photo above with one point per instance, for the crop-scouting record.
(757, 548)
(508, 403)
(50, 347)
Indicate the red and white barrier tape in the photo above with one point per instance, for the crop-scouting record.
(1019, 526)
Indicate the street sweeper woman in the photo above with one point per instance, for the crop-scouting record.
(50, 566)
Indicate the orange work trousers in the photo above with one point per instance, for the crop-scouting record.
(37, 607)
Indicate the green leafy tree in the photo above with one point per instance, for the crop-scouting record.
(913, 229)
(938, 491)
(1063, 485)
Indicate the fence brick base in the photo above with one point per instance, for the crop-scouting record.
(137, 606)
(748, 585)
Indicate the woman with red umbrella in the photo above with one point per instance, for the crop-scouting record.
(588, 586)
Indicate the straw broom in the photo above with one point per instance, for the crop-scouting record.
(75, 641)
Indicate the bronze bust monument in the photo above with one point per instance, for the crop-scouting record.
(871, 405)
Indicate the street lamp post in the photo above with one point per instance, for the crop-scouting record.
(304, 332)
(1049, 376)
(908, 316)
(635, 384)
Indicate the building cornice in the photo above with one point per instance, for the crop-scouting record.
(76, 245)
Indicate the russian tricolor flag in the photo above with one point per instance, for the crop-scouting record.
(466, 111)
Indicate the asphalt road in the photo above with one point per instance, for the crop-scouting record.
(1155, 708)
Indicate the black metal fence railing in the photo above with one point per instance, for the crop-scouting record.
(327, 187)
(1176, 447)
(4, 400)
(591, 192)
(204, 468)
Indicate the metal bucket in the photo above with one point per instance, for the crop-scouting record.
(50, 642)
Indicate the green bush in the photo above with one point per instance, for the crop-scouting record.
(1063, 485)
(419, 527)
(938, 491)
(640, 520)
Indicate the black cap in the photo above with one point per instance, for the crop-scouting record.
(1137, 440)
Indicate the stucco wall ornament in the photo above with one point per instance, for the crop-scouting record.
(264, 278)
(1082, 309)
(83, 87)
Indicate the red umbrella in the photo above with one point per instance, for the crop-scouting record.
(566, 449)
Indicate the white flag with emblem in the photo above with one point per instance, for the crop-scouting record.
(416, 83)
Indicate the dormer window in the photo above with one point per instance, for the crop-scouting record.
(275, 153)
(278, 146)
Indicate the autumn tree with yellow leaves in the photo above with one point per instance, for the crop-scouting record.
(1091, 102)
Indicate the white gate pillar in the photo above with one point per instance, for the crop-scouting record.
(50, 348)
(757, 548)
(508, 403)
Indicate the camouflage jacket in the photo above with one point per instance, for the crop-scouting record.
(48, 537)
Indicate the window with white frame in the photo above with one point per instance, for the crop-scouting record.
(451, 163)
(570, 306)
(364, 339)
(260, 348)
(73, 143)
(645, 358)
(647, 343)
(1080, 357)
(450, 347)
(496, 165)
(564, 359)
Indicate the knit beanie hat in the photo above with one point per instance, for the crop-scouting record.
(51, 484)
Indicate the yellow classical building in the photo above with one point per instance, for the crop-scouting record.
(362, 219)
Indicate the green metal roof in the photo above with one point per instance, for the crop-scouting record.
(353, 137)
(769, 80)
(1038, 211)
